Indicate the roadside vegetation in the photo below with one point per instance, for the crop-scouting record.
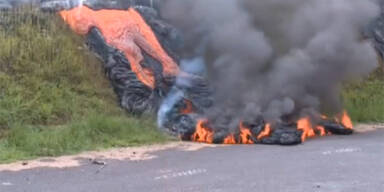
(54, 97)
(365, 100)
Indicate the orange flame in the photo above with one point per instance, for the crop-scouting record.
(265, 133)
(230, 139)
(321, 130)
(245, 134)
(346, 120)
(305, 125)
(127, 31)
(202, 133)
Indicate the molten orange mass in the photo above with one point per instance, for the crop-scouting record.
(127, 31)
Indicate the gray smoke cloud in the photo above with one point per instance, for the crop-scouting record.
(276, 57)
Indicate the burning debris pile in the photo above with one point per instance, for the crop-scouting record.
(246, 72)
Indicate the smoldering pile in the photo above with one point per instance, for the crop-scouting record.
(274, 67)
(275, 62)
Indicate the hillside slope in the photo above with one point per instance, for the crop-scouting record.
(54, 97)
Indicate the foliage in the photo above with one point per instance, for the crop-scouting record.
(95, 132)
(51, 87)
(365, 100)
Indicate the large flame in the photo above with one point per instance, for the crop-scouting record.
(305, 125)
(202, 133)
(127, 31)
(321, 130)
(230, 139)
(265, 133)
(245, 134)
(346, 120)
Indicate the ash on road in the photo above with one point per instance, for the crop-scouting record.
(330, 164)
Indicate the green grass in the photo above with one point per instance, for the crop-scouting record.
(93, 133)
(46, 75)
(51, 87)
(365, 101)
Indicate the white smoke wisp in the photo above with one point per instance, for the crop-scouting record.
(174, 96)
(193, 66)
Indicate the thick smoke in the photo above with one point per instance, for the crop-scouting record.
(276, 58)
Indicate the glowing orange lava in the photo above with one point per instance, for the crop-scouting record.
(127, 31)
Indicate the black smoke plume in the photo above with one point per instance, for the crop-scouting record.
(275, 58)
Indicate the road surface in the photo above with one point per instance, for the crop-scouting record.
(330, 164)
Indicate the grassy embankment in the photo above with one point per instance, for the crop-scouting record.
(54, 98)
(365, 100)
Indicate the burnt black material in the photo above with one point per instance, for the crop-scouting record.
(133, 95)
(280, 133)
(336, 128)
(183, 125)
(283, 136)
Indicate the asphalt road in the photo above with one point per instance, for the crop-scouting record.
(331, 164)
